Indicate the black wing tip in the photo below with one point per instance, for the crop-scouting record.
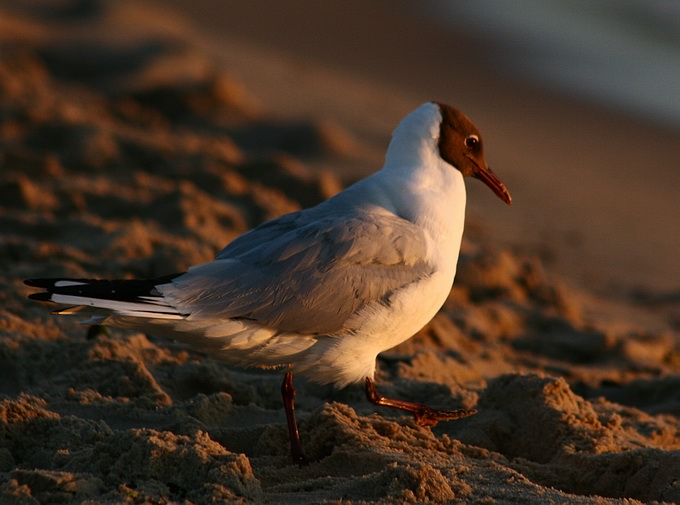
(117, 289)
(39, 283)
(50, 282)
(44, 296)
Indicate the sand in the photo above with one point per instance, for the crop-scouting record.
(127, 149)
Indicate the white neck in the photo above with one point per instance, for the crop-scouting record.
(420, 185)
(417, 184)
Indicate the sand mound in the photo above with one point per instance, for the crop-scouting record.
(140, 157)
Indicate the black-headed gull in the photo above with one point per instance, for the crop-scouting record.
(324, 290)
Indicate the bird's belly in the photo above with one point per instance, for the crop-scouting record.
(350, 357)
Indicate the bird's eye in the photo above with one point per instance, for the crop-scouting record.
(472, 142)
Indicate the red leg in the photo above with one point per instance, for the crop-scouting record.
(288, 394)
(425, 416)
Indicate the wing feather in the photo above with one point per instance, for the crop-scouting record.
(302, 275)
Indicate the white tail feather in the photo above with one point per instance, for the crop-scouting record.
(135, 309)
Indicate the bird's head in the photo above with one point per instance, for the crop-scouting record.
(460, 144)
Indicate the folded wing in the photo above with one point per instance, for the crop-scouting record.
(305, 276)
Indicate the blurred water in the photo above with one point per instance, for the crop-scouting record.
(621, 53)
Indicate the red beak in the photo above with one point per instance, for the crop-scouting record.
(489, 178)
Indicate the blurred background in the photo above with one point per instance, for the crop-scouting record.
(578, 100)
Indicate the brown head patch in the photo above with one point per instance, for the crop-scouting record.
(460, 145)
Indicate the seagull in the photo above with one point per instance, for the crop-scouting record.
(322, 291)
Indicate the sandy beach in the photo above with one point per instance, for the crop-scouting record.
(138, 138)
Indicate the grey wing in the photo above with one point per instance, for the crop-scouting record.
(305, 277)
(271, 231)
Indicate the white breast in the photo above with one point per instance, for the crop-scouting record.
(440, 211)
